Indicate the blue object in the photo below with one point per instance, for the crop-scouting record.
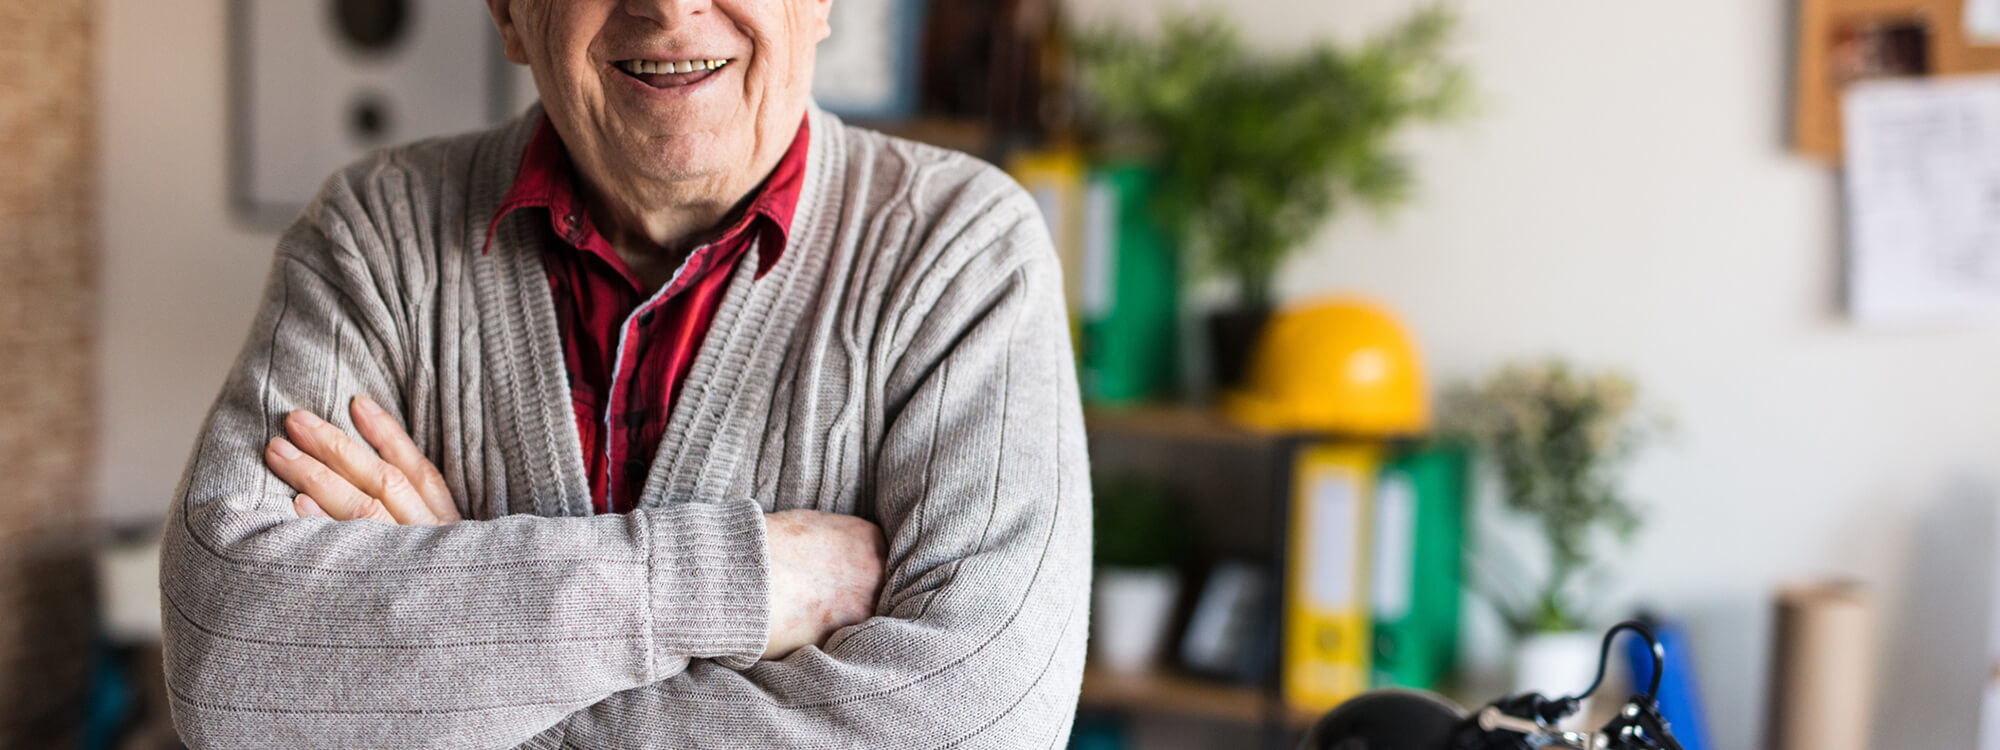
(113, 702)
(1680, 699)
(1094, 732)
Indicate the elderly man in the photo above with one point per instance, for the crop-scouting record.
(728, 425)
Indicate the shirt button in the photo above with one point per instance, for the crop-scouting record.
(646, 318)
(634, 419)
(635, 471)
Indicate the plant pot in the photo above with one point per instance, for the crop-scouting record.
(1131, 609)
(1557, 664)
(1232, 341)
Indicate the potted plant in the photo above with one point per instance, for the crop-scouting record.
(1558, 439)
(1141, 540)
(1255, 152)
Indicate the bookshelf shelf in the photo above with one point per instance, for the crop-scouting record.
(1180, 695)
(972, 136)
(1180, 423)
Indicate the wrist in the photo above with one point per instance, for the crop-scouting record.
(711, 582)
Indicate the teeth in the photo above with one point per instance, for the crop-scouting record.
(653, 67)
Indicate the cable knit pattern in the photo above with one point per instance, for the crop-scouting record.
(907, 361)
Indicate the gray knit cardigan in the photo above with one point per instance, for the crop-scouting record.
(907, 360)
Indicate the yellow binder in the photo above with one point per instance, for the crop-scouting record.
(1055, 177)
(1326, 644)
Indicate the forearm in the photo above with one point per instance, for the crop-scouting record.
(984, 495)
(368, 634)
(1018, 690)
(364, 634)
(984, 651)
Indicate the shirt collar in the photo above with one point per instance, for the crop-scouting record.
(545, 180)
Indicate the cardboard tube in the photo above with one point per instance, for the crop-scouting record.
(1823, 668)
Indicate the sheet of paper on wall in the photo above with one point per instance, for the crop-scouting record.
(1923, 200)
(1982, 21)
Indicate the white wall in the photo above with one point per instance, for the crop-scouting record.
(180, 276)
(181, 273)
(1624, 200)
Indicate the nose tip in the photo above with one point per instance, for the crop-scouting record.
(663, 12)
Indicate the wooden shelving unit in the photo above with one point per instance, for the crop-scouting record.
(1172, 423)
(1235, 485)
(974, 137)
(1180, 695)
(1227, 475)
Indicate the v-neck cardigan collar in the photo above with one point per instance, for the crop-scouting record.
(714, 420)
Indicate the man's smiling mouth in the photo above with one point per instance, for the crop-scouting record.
(661, 74)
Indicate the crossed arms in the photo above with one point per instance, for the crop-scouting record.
(641, 630)
(826, 568)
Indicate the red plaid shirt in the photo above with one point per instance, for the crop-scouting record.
(628, 354)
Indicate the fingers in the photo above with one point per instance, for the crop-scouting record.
(387, 436)
(345, 472)
(338, 498)
(306, 507)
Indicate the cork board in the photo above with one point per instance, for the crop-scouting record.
(1841, 41)
(48, 263)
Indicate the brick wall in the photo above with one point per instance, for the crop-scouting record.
(48, 260)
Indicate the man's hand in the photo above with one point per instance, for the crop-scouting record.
(344, 480)
(826, 573)
(826, 568)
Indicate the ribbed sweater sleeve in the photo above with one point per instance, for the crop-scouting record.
(288, 632)
(981, 486)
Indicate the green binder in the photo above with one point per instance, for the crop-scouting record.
(1419, 531)
(1130, 291)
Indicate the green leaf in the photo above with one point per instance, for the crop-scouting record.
(1258, 151)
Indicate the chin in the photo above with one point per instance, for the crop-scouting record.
(684, 159)
(681, 170)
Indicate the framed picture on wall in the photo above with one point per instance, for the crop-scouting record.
(316, 84)
(868, 68)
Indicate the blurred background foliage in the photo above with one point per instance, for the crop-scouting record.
(1256, 149)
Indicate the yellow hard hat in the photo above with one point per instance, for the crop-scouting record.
(1341, 366)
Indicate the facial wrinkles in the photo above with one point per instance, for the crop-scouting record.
(784, 62)
(713, 151)
(609, 50)
(574, 90)
(770, 63)
(711, 33)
